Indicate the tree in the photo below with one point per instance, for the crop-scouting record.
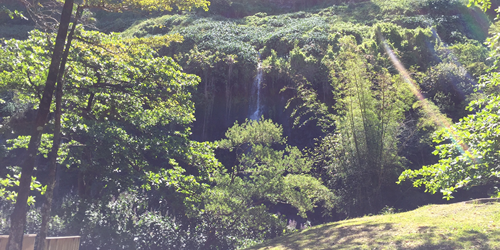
(57, 67)
(483, 4)
(361, 156)
(18, 216)
(448, 85)
(469, 149)
(261, 175)
(136, 131)
(125, 111)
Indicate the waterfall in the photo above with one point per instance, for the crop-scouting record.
(255, 110)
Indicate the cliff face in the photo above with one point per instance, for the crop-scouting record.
(284, 4)
(298, 4)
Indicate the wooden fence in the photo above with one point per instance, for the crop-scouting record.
(28, 241)
(51, 243)
(62, 243)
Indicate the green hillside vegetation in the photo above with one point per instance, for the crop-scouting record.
(462, 225)
(440, 42)
(189, 128)
(429, 37)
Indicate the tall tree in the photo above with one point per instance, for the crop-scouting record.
(47, 205)
(469, 149)
(125, 110)
(18, 216)
(362, 154)
(238, 204)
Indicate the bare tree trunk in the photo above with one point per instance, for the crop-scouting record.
(18, 216)
(56, 143)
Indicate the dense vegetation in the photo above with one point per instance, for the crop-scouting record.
(152, 114)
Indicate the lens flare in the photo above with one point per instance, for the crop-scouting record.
(437, 117)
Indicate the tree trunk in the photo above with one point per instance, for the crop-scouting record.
(210, 238)
(56, 143)
(18, 216)
(46, 207)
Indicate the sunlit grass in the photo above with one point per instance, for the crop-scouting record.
(454, 226)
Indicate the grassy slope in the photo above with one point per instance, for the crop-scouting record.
(454, 226)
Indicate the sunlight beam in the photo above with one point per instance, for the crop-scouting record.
(437, 117)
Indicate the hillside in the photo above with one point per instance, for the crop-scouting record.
(454, 226)
(420, 31)
(216, 129)
(440, 42)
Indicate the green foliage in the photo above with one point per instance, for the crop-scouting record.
(415, 47)
(362, 155)
(155, 26)
(276, 68)
(448, 84)
(262, 175)
(307, 107)
(12, 14)
(494, 43)
(33, 219)
(8, 184)
(130, 221)
(242, 8)
(22, 142)
(129, 114)
(148, 5)
(483, 4)
(223, 36)
(472, 56)
(303, 39)
(468, 150)
(125, 111)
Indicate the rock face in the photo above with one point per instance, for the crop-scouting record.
(283, 3)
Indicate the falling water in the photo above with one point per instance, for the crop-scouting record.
(255, 105)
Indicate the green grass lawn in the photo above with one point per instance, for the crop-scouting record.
(454, 226)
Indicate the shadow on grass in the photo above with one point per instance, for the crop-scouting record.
(380, 236)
